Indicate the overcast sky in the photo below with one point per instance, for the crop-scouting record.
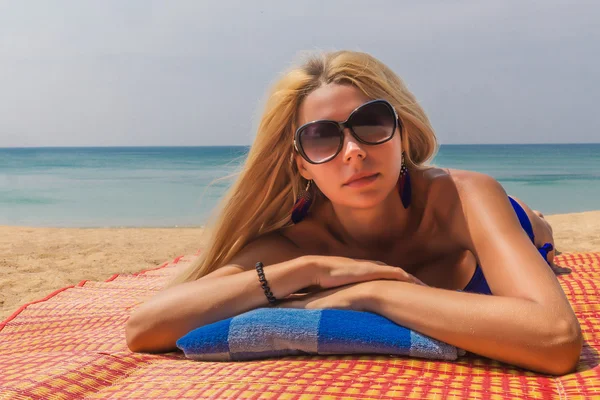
(136, 73)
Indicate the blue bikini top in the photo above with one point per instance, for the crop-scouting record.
(478, 284)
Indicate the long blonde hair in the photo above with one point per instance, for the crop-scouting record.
(261, 199)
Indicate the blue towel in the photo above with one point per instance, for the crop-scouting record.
(275, 332)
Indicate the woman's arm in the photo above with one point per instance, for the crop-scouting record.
(528, 322)
(231, 290)
(512, 330)
(235, 288)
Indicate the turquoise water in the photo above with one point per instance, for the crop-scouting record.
(168, 186)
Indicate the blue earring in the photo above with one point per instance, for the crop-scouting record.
(404, 186)
(303, 203)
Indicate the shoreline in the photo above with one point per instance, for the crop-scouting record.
(547, 216)
(36, 261)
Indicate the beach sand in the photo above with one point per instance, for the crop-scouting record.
(37, 261)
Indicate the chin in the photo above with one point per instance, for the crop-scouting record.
(365, 198)
(362, 201)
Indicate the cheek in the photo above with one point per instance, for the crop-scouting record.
(396, 145)
(394, 156)
(328, 179)
(389, 157)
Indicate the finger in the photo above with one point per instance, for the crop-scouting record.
(406, 277)
(418, 281)
(370, 261)
(402, 275)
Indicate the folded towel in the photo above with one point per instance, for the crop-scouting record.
(275, 332)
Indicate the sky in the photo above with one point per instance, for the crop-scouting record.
(196, 73)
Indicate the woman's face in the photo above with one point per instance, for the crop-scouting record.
(336, 102)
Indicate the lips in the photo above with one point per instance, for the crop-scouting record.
(361, 179)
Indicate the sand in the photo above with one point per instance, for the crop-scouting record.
(34, 262)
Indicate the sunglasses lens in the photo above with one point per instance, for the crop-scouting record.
(374, 123)
(320, 140)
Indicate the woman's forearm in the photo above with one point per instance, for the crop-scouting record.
(513, 330)
(157, 324)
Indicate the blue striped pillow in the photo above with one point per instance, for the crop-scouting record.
(275, 332)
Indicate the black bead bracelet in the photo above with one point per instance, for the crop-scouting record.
(264, 284)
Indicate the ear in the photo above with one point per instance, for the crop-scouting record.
(301, 165)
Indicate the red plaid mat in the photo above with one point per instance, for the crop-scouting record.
(71, 345)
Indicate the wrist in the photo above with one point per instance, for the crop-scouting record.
(311, 267)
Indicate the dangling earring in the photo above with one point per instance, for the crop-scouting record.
(404, 184)
(303, 203)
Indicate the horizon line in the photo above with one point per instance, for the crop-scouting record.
(249, 145)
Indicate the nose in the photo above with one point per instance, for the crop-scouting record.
(352, 149)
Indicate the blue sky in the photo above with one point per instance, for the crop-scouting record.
(134, 73)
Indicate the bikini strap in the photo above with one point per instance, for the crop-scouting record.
(526, 224)
(523, 218)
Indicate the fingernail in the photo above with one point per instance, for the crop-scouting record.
(420, 282)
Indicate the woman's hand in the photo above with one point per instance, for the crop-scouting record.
(348, 297)
(340, 271)
(345, 297)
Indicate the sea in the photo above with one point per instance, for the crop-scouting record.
(93, 187)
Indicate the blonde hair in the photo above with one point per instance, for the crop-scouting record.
(261, 199)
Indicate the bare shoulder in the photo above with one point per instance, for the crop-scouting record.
(456, 185)
(478, 193)
(460, 179)
(446, 188)
(458, 194)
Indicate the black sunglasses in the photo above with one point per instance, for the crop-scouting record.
(372, 123)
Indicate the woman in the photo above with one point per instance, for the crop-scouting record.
(373, 228)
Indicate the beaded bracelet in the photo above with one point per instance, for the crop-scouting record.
(264, 284)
